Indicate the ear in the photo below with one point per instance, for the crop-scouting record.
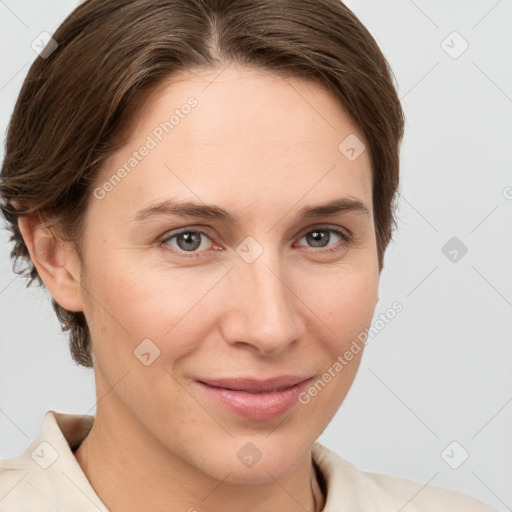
(56, 261)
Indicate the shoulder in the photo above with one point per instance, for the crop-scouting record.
(47, 473)
(23, 486)
(362, 491)
(415, 496)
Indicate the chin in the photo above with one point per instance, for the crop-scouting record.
(254, 459)
(262, 473)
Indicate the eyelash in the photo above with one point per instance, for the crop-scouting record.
(347, 239)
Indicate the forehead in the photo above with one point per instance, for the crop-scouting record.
(249, 135)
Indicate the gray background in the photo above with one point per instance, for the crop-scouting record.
(440, 371)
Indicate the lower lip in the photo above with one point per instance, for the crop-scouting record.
(256, 406)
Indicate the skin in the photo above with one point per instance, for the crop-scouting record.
(261, 147)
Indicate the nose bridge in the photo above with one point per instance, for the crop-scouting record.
(265, 304)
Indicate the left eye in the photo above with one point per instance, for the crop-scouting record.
(322, 236)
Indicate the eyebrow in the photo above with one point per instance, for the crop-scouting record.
(191, 209)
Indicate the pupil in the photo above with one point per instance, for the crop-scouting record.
(317, 236)
(189, 239)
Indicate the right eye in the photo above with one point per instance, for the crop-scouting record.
(186, 241)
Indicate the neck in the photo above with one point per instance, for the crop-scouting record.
(130, 475)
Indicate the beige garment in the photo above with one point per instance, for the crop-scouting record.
(47, 477)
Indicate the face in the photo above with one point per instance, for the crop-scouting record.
(192, 311)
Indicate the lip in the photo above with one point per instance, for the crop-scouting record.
(256, 385)
(256, 399)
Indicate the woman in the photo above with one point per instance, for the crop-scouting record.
(206, 190)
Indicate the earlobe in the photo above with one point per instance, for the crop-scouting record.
(56, 262)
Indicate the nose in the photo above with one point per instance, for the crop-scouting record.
(262, 311)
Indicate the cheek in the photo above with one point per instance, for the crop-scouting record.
(342, 299)
(344, 306)
(133, 301)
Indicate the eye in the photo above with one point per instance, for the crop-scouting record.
(321, 236)
(187, 240)
(190, 240)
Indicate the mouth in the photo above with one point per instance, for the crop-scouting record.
(251, 385)
(255, 399)
(259, 391)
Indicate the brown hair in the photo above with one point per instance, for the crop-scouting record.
(77, 104)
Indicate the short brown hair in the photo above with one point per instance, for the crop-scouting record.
(77, 104)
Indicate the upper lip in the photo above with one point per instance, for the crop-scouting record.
(250, 384)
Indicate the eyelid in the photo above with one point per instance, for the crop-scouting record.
(344, 231)
(204, 230)
(175, 232)
(347, 238)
